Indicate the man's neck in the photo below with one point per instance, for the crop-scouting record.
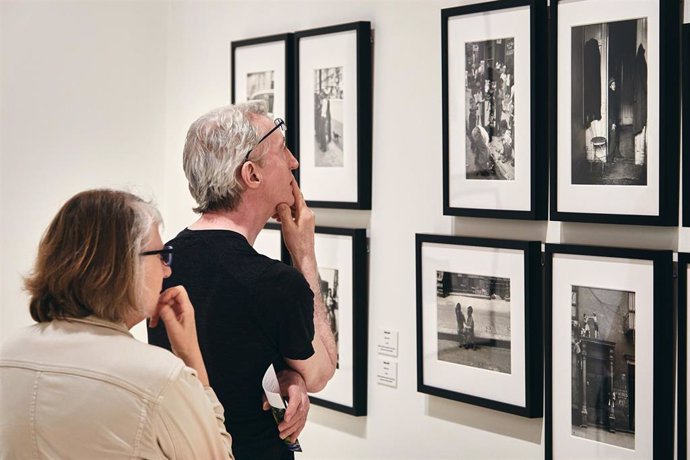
(240, 220)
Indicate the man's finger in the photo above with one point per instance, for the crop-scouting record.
(286, 429)
(265, 405)
(287, 434)
(299, 198)
(292, 406)
(284, 213)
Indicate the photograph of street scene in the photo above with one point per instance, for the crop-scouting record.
(260, 87)
(328, 278)
(473, 320)
(328, 117)
(490, 109)
(603, 365)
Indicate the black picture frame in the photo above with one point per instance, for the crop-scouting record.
(260, 46)
(579, 195)
(686, 125)
(347, 390)
(683, 327)
(521, 192)
(326, 175)
(606, 271)
(520, 259)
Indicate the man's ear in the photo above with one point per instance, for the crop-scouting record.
(250, 175)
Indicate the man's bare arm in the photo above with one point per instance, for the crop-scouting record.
(298, 232)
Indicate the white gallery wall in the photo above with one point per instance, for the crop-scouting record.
(82, 92)
(101, 93)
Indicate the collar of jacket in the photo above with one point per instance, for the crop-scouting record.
(100, 322)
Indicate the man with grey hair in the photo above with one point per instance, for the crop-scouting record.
(251, 311)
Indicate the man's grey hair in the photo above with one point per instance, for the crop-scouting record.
(214, 152)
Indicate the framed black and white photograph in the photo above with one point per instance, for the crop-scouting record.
(615, 141)
(269, 242)
(479, 319)
(261, 70)
(686, 125)
(342, 258)
(494, 77)
(610, 353)
(333, 85)
(683, 353)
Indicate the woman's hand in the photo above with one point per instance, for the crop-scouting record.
(177, 313)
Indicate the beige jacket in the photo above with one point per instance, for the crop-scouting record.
(87, 389)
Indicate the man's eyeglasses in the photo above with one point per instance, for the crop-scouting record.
(279, 123)
(165, 254)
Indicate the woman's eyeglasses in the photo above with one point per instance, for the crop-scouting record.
(166, 254)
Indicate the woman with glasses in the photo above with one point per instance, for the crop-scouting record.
(77, 384)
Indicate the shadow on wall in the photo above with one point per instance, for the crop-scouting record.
(513, 426)
(354, 426)
(635, 236)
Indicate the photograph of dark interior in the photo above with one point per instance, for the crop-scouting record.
(328, 117)
(609, 103)
(473, 314)
(490, 109)
(603, 365)
(328, 278)
(260, 87)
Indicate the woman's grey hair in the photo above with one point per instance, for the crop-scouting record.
(214, 152)
(147, 216)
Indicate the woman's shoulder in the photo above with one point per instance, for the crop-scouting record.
(91, 350)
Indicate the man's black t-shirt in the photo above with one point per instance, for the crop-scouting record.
(251, 311)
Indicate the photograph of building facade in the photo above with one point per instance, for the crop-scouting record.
(603, 365)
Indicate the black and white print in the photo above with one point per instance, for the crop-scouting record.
(328, 117)
(603, 365)
(329, 293)
(474, 320)
(609, 103)
(261, 87)
(490, 109)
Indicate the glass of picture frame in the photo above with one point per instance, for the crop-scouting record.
(494, 109)
(614, 73)
(342, 257)
(479, 322)
(261, 70)
(333, 121)
(609, 353)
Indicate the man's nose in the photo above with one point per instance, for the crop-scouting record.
(293, 163)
